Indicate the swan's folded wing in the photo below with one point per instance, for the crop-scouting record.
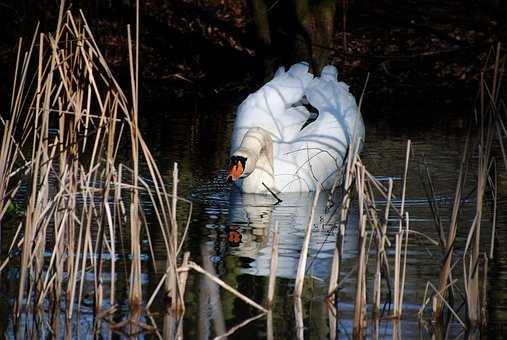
(319, 149)
(285, 89)
(291, 122)
(328, 95)
(267, 107)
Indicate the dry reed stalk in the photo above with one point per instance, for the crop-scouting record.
(28, 228)
(273, 267)
(300, 275)
(184, 274)
(403, 191)
(494, 193)
(399, 271)
(396, 330)
(135, 293)
(381, 254)
(331, 316)
(344, 210)
(74, 175)
(383, 191)
(171, 283)
(445, 270)
(170, 327)
(484, 302)
(360, 293)
(353, 156)
(224, 285)
(298, 314)
(400, 268)
(471, 275)
(335, 271)
(269, 326)
(488, 127)
(404, 269)
(397, 261)
(445, 302)
(238, 326)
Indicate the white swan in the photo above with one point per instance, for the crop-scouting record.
(276, 145)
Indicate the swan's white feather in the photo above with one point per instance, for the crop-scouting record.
(303, 158)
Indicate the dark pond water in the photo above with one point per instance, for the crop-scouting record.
(197, 137)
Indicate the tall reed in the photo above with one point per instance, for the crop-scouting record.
(486, 132)
(62, 138)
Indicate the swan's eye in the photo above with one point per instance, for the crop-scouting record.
(236, 168)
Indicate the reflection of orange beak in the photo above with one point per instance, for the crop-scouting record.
(235, 172)
(234, 237)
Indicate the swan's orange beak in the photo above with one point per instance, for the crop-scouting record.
(235, 172)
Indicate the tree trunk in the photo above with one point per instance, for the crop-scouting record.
(263, 37)
(304, 28)
(316, 23)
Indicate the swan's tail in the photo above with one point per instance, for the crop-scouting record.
(268, 106)
(329, 72)
(290, 85)
(300, 72)
(327, 94)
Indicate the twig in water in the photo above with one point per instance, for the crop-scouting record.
(278, 200)
(224, 285)
(238, 326)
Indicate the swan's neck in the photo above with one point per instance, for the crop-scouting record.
(257, 147)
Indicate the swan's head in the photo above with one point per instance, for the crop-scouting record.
(241, 165)
(256, 145)
(236, 168)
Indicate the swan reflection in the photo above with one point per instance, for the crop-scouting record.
(252, 217)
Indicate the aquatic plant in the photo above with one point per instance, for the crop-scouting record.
(69, 120)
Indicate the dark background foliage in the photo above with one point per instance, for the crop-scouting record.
(426, 51)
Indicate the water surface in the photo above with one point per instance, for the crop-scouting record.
(230, 232)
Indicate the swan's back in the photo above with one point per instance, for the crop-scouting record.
(330, 96)
(265, 107)
(317, 154)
